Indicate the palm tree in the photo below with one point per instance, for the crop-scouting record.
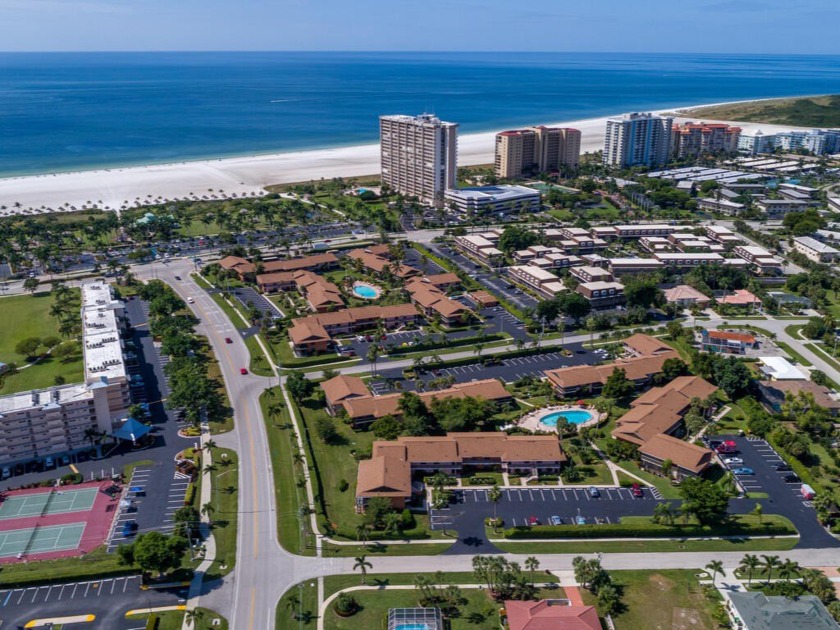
(207, 509)
(193, 615)
(749, 563)
(757, 511)
(715, 567)
(362, 534)
(494, 495)
(788, 569)
(292, 604)
(532, 564)
(373, 356)
(209, 445)
(770, 563)
(362, 565)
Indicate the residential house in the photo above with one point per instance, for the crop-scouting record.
(686, 296)
(753, 610)
(547, 614)
(773, 393)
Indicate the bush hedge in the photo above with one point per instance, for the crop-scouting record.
(734, 527)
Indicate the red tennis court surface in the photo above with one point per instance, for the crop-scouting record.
(45, 523)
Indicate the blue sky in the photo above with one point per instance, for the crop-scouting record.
(739, 26)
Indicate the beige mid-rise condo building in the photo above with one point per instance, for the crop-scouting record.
(536, 150)
(419, 155)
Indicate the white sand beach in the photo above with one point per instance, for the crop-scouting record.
(112, 189)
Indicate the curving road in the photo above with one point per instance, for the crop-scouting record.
(248, 597)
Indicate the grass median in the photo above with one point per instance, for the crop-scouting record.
(294, 533)
(223, 513)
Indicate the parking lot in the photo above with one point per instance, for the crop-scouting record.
(508, 370)
(108, 599)
(782, 497)
(247, 295)
(519, 505)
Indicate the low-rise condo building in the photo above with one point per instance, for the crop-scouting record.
(588, 273)
(723, 235)
(481, 249)
(815, 250)
(761, 260)
(687, 260)
(779, 208)
(602, 294)
(630, 266)
(540, 280)
(500, 199)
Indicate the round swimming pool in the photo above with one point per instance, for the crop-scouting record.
(365, 291)
(573, 416)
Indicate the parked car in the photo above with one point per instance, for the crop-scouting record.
(594, 492)
(743, 471)
(533, 520)
(6, 472)
(733, 460)
(128, 528)
(556, 520)
(727, 447)
(580, 520)
(783, 467)
(49, 462)
(791, 478)
(228, 340)
(636, 489)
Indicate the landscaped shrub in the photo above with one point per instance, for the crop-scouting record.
(482, 481)
(408, 520)
(71, 478)
(649, 530)
(189, 495)
(343, 485)
(345, 605)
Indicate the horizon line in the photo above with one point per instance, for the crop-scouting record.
(429, 52)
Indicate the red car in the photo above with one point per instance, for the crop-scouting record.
(636, 489)
(243, 371)
(533, 520)
(228, 340)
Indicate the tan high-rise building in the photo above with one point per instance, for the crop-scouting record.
(419, 155)
(536, 150)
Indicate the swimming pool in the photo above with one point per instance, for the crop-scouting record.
(574, 416)
(365, 291)
(413, 626)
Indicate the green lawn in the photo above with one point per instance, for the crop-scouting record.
(648, 546)
(376, 549)
(478, 612)
(668, 491)
(28, 316)
(96, 564)
(660, 600)
(289, 496)
(224, 500)
(174, 620)
(221, 425)
(335, 463)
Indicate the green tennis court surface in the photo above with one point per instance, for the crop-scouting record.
(41, 539)
(45, 503)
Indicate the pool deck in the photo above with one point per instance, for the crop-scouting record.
(531, 420)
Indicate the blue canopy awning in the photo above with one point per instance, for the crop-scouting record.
(132, 430)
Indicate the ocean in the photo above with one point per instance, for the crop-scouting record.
(68, 112)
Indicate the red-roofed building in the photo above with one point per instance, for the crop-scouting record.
(725, 342)
(547, 614)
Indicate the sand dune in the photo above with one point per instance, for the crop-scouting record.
(115, 188)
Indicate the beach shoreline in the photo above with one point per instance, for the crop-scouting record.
(114, 188)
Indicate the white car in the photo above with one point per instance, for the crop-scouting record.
(190, 300)
(733, 460)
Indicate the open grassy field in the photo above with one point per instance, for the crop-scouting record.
(29, 316)
(809, 111)
(660, 600)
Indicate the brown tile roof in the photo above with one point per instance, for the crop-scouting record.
(383, 477)
(646, 345)
(822, 395)
(484, 297)
(342, 387)
(377, 263)
(543, 615)
(307, 332)
(379, 406)
(660, 409)
(241, 265)
(286, 277)
(636, 368)
(740, 296)
(361, 313)
(683, 454)
(429, 296)
(441, 279)
(306, 262)
(684, 292)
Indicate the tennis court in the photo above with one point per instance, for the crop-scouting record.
(41, 539)
(46, 503)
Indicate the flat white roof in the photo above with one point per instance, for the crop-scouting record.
(39, 398)
(101, 344)
(600, 285)
(535, 272)
(690, 256)
(502, 192)
(635, 262)
(754, 250)
(781, 369)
